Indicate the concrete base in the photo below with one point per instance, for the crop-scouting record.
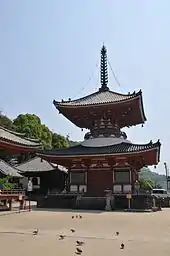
(119, 202)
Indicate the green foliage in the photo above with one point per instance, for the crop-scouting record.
(28, 124)
(157, 186)
(31, 126)
(5, 184)
(59, 141)
(6, 122)
(72, 143)
(146, 184)
(46, 136)
(158, 180)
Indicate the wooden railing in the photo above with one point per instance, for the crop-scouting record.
(12, 192)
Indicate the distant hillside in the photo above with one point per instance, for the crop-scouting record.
(155, 177)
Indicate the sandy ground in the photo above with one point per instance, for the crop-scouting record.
(141, 233)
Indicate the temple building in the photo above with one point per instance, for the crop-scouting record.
(16, 146)
(44, 175)
(106, 159)
(22, 164)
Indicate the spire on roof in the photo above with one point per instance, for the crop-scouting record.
(103, 70)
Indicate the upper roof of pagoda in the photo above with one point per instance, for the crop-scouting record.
(17, 141)
(98, 98)
(125, 109)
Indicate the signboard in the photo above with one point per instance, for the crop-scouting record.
(20, 197)
(129, 196)
(30, 187)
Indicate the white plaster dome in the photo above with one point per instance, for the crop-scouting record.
(104, 141)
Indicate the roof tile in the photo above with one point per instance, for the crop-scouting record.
(35, 165)
(114, 149)
(98, 98)
(10, 136)
(9, 170)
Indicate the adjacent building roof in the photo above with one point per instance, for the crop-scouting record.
(122, 148)
(38, 164)
(9, 170)
(15, 138)
(98, 98)
(35, 165)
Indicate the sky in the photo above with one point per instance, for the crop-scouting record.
(51, 49)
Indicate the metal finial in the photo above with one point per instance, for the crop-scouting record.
(103, 70)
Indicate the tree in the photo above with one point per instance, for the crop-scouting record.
(146, 184)
(31, 126)
(5, 184)
(6, 122)
(157, 186)
(71, 143)
(46, 136)
(59, 141)
(155, 177)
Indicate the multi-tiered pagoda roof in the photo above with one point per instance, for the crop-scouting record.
(104, 113)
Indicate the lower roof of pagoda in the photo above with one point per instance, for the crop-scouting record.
(116, 149)
(13, 140)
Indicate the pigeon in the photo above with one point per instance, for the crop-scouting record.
(79, 250)
(117, 233)
(72, 230)
(122, 246)
(79, 243)
(35, 232)
(61, 237)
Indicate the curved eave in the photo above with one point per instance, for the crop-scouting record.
(13, 132)
(9, 170)
(67, 111)
(143, 158)
(95, 155)
(73, 104)
(142, 108)
(21, 147)
(153, 147)
(37, 141)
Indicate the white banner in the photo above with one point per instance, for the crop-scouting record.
(30, 187)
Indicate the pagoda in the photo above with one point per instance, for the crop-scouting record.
(106, 159)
